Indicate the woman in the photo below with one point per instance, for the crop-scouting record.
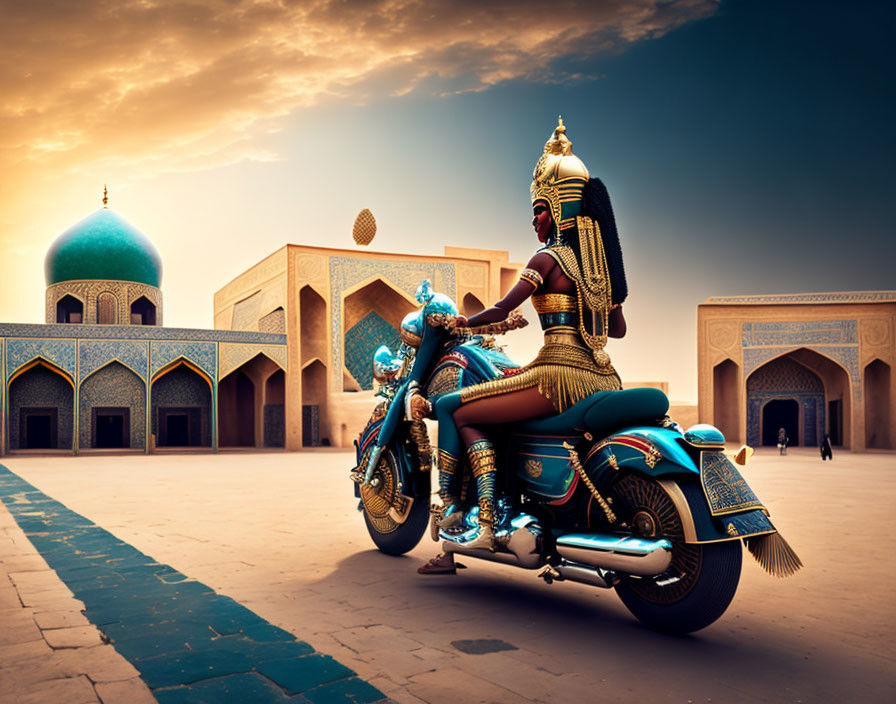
(577, 284)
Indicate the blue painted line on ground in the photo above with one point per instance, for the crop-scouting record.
(190, 644)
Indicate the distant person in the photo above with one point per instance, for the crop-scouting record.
(782, 441)
(826, 453)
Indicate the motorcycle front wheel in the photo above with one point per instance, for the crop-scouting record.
(705, 575)
(394, 527)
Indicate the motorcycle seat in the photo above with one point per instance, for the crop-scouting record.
(601, 413)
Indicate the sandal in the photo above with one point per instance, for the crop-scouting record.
(443, 563)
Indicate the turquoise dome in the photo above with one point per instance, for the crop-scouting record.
(103, 246)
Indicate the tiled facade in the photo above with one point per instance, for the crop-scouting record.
(337, 307)
(837, 337)
(113, 366)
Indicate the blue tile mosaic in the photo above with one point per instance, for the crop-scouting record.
(846, 356)
(136, 332)
(362, 340)
(805, 333)
(846, 297)
(189, 643)
(202, 354)
(41, 388)
(93, 354)
(346, 272)
(117, 386)
(20, 352)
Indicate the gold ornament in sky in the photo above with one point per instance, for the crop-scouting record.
(365, 227)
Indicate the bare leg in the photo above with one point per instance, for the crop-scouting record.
(505, 408)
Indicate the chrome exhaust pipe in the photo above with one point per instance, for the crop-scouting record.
(625, 554)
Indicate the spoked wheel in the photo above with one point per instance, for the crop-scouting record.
(395, 523)
(705, 575)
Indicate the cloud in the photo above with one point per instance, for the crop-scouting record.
(183, 84)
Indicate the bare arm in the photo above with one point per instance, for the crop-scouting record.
(617, 326)
(525, 287)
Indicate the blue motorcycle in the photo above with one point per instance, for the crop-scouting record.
(610, 493)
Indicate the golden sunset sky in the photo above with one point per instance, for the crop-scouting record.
(225, 129)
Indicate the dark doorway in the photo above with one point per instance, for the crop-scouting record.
(310, 426)
(111, 427)
(143, 312)
(835, 421)
(781, 413)
(69, 310)
(39, 428)
(180, 427)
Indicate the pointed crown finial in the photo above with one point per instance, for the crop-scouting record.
(105, 196)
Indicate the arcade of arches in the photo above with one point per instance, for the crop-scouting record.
(251, 405)
(812, 364)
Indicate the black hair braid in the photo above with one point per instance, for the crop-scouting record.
(596, 205)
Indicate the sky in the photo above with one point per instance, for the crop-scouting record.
(748, 146)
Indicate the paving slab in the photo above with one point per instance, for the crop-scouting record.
(284, 540)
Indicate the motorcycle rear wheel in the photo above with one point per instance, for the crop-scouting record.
(709, 572)
(392, 536)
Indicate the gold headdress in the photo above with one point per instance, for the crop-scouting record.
(559, 178)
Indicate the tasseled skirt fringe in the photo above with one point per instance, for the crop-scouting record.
(563, 373)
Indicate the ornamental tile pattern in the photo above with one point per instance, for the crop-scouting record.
(234, 356)
(813, 415)
(116, 386)
(22, 351)
(846, 356)
(93, 354)
(202, 354)
(136, 332)
(845, 297)
(346, 272)
(813, 332)
(362, 340)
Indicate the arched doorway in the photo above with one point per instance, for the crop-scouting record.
(275, 410)
(236, 410)
(112, 409)
(877, 406)
(314, 404)
(774, 390)
(777, 414)
(106, 309)
(724, 398)
(313, 325)
(143, 312)
(69, 310)
(41, 408)
(471, 305)
(371, 317)
(181, 407)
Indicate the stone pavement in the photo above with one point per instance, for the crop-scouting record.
(49, 651)
(189, 643)
(279, 534)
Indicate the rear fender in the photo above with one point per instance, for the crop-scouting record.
(715, 504)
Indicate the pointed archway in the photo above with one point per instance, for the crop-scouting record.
(41, 408)
(878, 405)
(112, 409)
(181, 406)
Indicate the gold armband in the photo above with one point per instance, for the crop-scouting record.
(532, 277)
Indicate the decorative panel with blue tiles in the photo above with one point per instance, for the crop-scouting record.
(113, 386)
(362, 340)
(95, 353)
(785, 378)
(846, 356)
(136, 332)
(797, 332)
(202, 354)
(60, 352)
(346, 272)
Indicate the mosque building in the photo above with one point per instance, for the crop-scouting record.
(293, 346)
(813, 364)
(103, 373)
(289, 361)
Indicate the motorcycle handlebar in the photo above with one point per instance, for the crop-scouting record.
(514, 321)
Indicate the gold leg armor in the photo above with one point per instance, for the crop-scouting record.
(449, 516)
(482, 464)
